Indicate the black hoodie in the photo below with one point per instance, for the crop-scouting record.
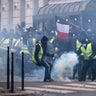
(44, 41)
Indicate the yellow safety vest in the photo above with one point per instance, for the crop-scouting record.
(40, 54)
(34, 40)
(4, 43)
(78, 44)
(14, 40)
(87, 52)
(52, 40)
(24, 49)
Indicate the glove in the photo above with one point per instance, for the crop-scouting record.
(91, 57)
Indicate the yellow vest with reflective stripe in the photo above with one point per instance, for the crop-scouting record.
(52, 40)
(4, 43)
(14, 40)
(24, 49)
(34, 40)
(87, 52)
(78, 44)
(39, 55)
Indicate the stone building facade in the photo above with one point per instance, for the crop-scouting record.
(13, 12)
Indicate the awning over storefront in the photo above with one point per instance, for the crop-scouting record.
(57, 8)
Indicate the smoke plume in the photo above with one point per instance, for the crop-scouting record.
(63, 66)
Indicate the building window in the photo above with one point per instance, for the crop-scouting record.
(15, 7)
(3, 7)
(27, 5)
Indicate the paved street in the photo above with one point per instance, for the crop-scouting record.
(55, 88)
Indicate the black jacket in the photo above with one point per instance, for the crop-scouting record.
(44, 41)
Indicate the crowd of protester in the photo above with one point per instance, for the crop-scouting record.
(30, 36)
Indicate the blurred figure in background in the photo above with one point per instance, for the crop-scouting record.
(12, 38)
(93, 57)
(31, 40)
(87, 51)
(3, 35)
(38, 34)
(78, 67)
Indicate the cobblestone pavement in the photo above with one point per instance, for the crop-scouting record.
(55, 88)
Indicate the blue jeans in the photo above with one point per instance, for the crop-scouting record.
(48, 68)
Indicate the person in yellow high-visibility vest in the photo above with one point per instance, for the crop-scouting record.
(93, 57)
(78, 67)
(39, 57)
(87, 51)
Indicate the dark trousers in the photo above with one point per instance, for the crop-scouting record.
(87, 64)
(75, 69)
(78, 69)
(80, 65)
(89, 73)
(94, 70)
(48, 68)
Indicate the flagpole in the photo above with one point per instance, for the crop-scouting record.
(76, 25)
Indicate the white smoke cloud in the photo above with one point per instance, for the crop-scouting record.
(63, 66)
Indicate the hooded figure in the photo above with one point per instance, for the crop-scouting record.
(42, 47)
(44, 40)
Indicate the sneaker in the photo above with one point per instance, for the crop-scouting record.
(48, 80)
(51, 80)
